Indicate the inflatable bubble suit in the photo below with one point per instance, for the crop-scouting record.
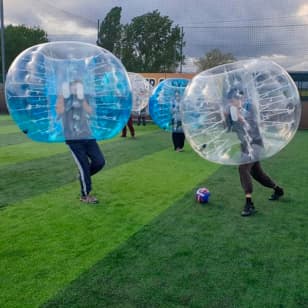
(68, 91)
(142, 91)
(241, 112)
(165, 101)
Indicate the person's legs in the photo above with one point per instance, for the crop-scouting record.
(79, 152)
(245, 178)
(124, 131)
(96, 156)
(181, 140)
(131, 127)
(246, 182)
(260, 176)
(175, 140)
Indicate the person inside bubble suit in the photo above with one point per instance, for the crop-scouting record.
(75, 111)
(243, 120)
(178, 136)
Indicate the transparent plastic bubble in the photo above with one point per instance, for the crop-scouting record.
(165, 102)
(68, 91)
(142, 91)
(241, 112)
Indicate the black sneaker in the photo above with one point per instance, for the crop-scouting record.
(278, 192)
(248, 210)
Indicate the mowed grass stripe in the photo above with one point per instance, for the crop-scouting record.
(49, 240)
(35, 176)
(11, 139)
(5, 120)
(209, 256)
(18, 152)
(5, 117)
(10, 134)
(27, 151)
(7, 129)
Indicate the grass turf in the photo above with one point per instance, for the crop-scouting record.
(149, 244)
(193, 256)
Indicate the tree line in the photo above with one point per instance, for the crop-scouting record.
(149, 43)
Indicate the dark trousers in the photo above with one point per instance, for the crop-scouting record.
(130, 127)
(254, 170)
(141, 118)
(178, 140)
(89, 160)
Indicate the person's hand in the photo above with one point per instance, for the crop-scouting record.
(87, 107)
(60, 105)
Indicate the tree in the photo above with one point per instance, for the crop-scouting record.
(109, 35)
(213, 58)
(151, 44)
(19, 38)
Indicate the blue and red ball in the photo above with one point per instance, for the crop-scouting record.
(202, 195)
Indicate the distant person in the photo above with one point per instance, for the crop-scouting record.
(178, 136)
(75, 111)
(130, 127)
(243, 120)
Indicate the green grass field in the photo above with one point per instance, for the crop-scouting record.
(148, 244)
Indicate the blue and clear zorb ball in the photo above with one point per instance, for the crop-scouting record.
(141, 89)
(68, 91)
(241, 112)
(202, 195)
(165, 102)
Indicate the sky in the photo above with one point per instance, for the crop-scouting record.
(273, 29)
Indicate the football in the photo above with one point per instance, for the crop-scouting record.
(202, 195)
